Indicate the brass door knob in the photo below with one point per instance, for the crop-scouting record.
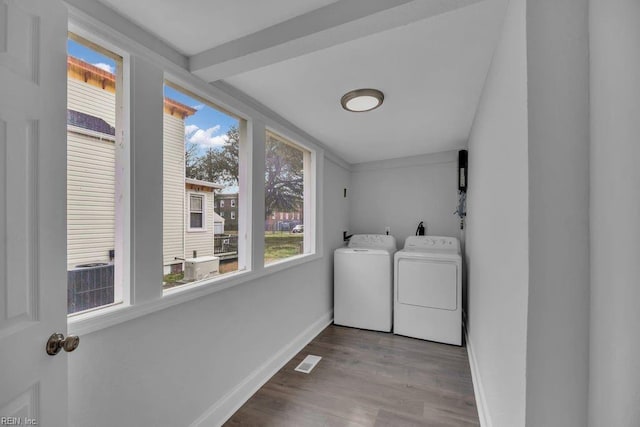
(58, 342)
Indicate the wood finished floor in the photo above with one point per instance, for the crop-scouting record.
(367, 378)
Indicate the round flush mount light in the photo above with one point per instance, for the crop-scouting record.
(361, 100)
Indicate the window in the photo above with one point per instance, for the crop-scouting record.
(201, 158)
(233, 203)
(287, 167)
(196, 212)
(94, 195)
(233, 214)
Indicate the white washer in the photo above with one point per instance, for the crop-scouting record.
(363, 282)
(428, 289)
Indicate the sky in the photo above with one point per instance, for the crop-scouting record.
(206, 128)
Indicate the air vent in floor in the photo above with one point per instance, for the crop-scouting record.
(308, 364)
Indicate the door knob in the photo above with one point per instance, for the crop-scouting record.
(58, 342)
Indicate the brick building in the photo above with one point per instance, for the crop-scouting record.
(226, 205)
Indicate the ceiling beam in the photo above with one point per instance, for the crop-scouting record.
(328, 26)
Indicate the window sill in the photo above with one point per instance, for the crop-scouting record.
(96, 320)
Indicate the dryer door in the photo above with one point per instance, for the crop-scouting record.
(428, 283)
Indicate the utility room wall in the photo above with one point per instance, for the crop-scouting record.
(400, 193)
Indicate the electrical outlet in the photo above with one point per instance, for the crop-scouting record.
(387, 229)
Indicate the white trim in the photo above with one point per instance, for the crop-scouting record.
(312, 174)
(123, 177)
(478, 389)
(93, 321)
(204, 212)
(218, 413)
(92, 133)
(203, 183)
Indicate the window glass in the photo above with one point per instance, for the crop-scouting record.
(94, 237)
(284, 194)
(196, 211)
(200, 171)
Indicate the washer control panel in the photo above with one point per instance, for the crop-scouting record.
(372, 241)
(432, 242)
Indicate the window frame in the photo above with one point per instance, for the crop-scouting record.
(122, 290)
(233, 203)
(255, 120)
(311, 188)
(203, 197)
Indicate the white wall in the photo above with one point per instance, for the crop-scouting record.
(615, 209)
(400, 193)
(497, 235)
(558, 315)
(167, 368)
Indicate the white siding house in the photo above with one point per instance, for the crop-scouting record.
(173, 185)
(91, 164)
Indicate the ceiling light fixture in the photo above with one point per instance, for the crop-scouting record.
(361, 100)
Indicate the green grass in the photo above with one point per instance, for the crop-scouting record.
(173, 277)
(280, 245)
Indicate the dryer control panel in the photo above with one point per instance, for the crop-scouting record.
(432, 242)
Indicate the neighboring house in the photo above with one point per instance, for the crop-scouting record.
(218, 223)
(90, 164)
(283, 221)
(227, 207)
(189, 220)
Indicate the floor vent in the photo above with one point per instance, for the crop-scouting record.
(308, 364)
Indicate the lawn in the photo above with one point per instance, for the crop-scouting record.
(279, 245)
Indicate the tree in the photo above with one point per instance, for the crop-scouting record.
(191, 159)
(217, 164)
(284, 182)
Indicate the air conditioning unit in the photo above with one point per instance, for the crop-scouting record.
(201, 268)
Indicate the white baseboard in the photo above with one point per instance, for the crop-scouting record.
(478, 389)
(226, 406)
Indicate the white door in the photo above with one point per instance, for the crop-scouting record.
(33, 385)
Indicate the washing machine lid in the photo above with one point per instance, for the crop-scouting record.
(432, 244)
(373, 241)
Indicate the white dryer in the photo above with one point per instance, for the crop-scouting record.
(363, 282)
(428, 289)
